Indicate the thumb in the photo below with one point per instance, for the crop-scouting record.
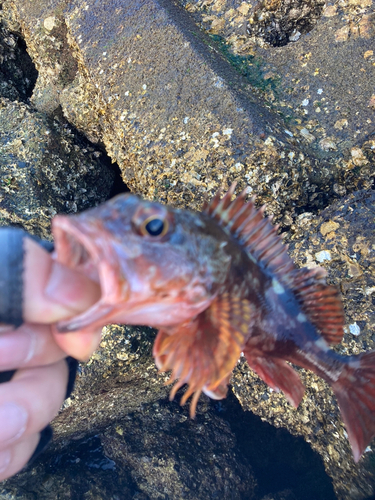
(52, 291)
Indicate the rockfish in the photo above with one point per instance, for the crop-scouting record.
(216, 284)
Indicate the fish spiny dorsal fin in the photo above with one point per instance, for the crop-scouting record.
(320, 302)
(210, 206)
(252, 230)
(217, 208)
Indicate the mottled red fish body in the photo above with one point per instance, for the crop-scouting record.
(215, 284)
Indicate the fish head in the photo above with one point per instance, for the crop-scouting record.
(156, 265)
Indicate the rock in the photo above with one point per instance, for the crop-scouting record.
(171, 456)
(321, 84)
(346, 232)
(281, 22)
(45, 170)
(154, 454)
(45, 167)
(17, 72)
(165, 115)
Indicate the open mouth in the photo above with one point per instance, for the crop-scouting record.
(75, 249)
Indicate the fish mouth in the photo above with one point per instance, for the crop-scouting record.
(74, 248)
(78, 249)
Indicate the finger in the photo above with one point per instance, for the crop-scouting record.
(30, 400)
(14, 458)
(51, 290)
(80, 344)
(27, 346)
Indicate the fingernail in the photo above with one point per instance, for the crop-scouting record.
(4, 460)
(13, 419)
(32, 342)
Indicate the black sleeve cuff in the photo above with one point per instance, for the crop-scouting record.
(11, 272)
(12, 254)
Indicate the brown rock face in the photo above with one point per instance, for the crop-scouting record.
(44, 169)
(177, 118)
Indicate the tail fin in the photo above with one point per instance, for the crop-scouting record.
(355, 392)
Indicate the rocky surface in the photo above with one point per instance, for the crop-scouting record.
(276, 95)
(45, 169)
(17, 71)
(182, 122)
(316, 71)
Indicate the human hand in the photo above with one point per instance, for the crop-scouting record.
(33, 396)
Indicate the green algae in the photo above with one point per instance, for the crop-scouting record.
(250, 67)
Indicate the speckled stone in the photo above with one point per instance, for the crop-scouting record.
(17, 72)
(344, 234)
(180, 123)
(154, 454)
(44, 170)
(321, 81)
(172, 456)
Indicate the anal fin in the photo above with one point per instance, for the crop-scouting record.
(278, 375)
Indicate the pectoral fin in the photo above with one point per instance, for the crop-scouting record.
(203, 352)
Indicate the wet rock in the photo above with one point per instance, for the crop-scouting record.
(17, 72)
(172, 456)
(180, 123)
(44, 169)
(341, 239)
(155, 454)
(83, 472)
(320, 84)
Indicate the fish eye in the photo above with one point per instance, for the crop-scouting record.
(154, 226)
